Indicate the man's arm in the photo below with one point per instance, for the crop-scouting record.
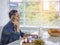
(22, 34)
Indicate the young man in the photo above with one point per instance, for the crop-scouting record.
(11, 31)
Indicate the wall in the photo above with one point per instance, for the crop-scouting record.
(4, 9)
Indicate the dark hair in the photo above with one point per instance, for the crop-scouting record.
(12, 12)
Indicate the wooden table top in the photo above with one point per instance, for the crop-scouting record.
(18, 43)
(27, 43)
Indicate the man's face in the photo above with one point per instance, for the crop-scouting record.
(16, 16)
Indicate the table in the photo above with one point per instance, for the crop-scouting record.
(27, 43)
(18, 43)
(48, 40)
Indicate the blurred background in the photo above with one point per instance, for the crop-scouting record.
(35, 15)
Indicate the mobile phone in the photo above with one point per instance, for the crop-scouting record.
(13, 19)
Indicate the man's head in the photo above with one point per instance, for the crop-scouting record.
(14, 14)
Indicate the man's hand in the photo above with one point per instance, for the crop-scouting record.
(16, 25)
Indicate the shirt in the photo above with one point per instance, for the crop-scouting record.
(9, 35)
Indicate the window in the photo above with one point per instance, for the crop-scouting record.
(50, 13)
(38, 12)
